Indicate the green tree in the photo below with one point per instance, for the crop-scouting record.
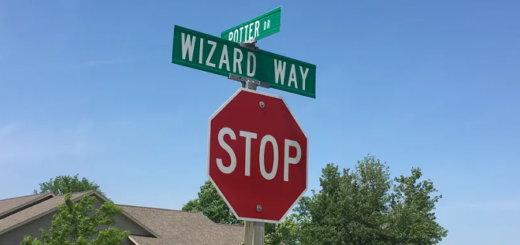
(211, 205)
(350, 208)
(362, 205)
(365, 206)
(412, 216)
(284, 233)
(64, 184)
(80, 224)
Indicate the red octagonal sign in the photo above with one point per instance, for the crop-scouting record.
(257, 156)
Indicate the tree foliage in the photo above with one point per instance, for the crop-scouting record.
(284, 233)
(350, 208)
(412, 216)
(81, 224)
(64, 184)
(363, 205)
(212, 205)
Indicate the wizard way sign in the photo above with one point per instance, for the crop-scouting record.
(223, 57)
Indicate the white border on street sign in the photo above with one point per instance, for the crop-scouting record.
(209, 160)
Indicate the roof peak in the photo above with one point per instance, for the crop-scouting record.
(77, 193)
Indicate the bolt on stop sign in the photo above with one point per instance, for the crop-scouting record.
(257, 156)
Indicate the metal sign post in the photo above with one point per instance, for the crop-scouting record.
(254, 232)
(240, 130)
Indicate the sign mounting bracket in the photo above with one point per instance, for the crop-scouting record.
(248, 82)
(250, 44)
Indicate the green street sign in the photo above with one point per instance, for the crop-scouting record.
(257, 28)
(223, 57)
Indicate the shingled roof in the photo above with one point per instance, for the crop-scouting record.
(182, 228)
(11, 204)
(170, 227)
(33, 212)
(7, 204)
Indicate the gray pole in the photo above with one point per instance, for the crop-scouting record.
(254, 231)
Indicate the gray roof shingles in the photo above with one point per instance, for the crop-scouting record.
(11, 203)
(183, 228)
(34, 211)
(174, 227)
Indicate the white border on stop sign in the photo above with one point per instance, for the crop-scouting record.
(209, 160)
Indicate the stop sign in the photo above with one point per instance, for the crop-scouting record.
(257, 156)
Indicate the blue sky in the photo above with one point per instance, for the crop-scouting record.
(88, 87)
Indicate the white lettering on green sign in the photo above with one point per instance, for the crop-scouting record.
(279, 69)
(245, 33)
(249, 31)
(257, 28)
(189, 43)
(223, 57)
